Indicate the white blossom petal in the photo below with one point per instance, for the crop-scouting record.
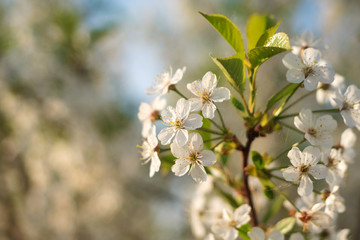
(179, 151)
(348, 138)
(275, 235)
(166, 135)
(305, 120)
(195, 88)
(178, 75)
(208, 110)
(198, 173)
(311, 155)
(181, 137)
(208, 158)
(295, 75)
(295, 156)
(183, 108)
(193, 122)
(318, 171)
(196, 142)
(181, 167)
(256, 233)
(220, 94)
(297, 236)
(196, 104)
(242, 215)
(209, 82)
(155, 164)
(311, 56)
(291, 174)
(311, 82)
(292, 61)
(306, 186)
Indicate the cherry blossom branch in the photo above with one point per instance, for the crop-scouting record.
(290, 127)
(178, 92)
(221, 119)
(210, 131)
(288, 149)
(335, 110)
(298, 100)
(251, 135)
(285, 197)
(281, 179)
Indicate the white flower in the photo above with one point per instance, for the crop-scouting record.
(207, 94)
(327, 92)
(165, 81)
(331, 234)
(296, 236)
(334, 203)
(306, 40)
(192, 158)
(308, 69)
(347, 142)
(335, 164)
(314, 219)
(349, 106)
(226, 227)
(210, 236)
(304, 163)
(149, 113)
(258, 234)
(149, 152)
(180, 120)
(317, 131)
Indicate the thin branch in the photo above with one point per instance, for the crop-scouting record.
(285, 197)
(290, 127)
(288, 149)
(221, 119)
(210, 131)
(298, 100)
(316, 111)
(178, 92)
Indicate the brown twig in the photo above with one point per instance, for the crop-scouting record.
(251, 134)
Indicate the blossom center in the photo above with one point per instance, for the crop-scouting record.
(332, 163)
(312, 132)
(308, 71)
(304, 169)
(305, 217)
(155, 115)
(205, 97)
(325, 194)
(232, 223)
(194, 157)
(178, 124)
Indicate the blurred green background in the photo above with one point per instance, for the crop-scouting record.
(72, 74)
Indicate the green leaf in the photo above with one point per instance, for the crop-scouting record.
(267, 34)
(257, 160)
(206, 135)
(256, 27)
(269, 193)
(285, 225)
(228, 30)
(282, 95)
(243, 231)
(274, 45)
(233, 69)
(237, 104)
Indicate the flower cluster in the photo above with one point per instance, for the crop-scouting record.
(186, 147)
(317, 164)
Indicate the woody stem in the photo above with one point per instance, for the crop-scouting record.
(245, 155)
